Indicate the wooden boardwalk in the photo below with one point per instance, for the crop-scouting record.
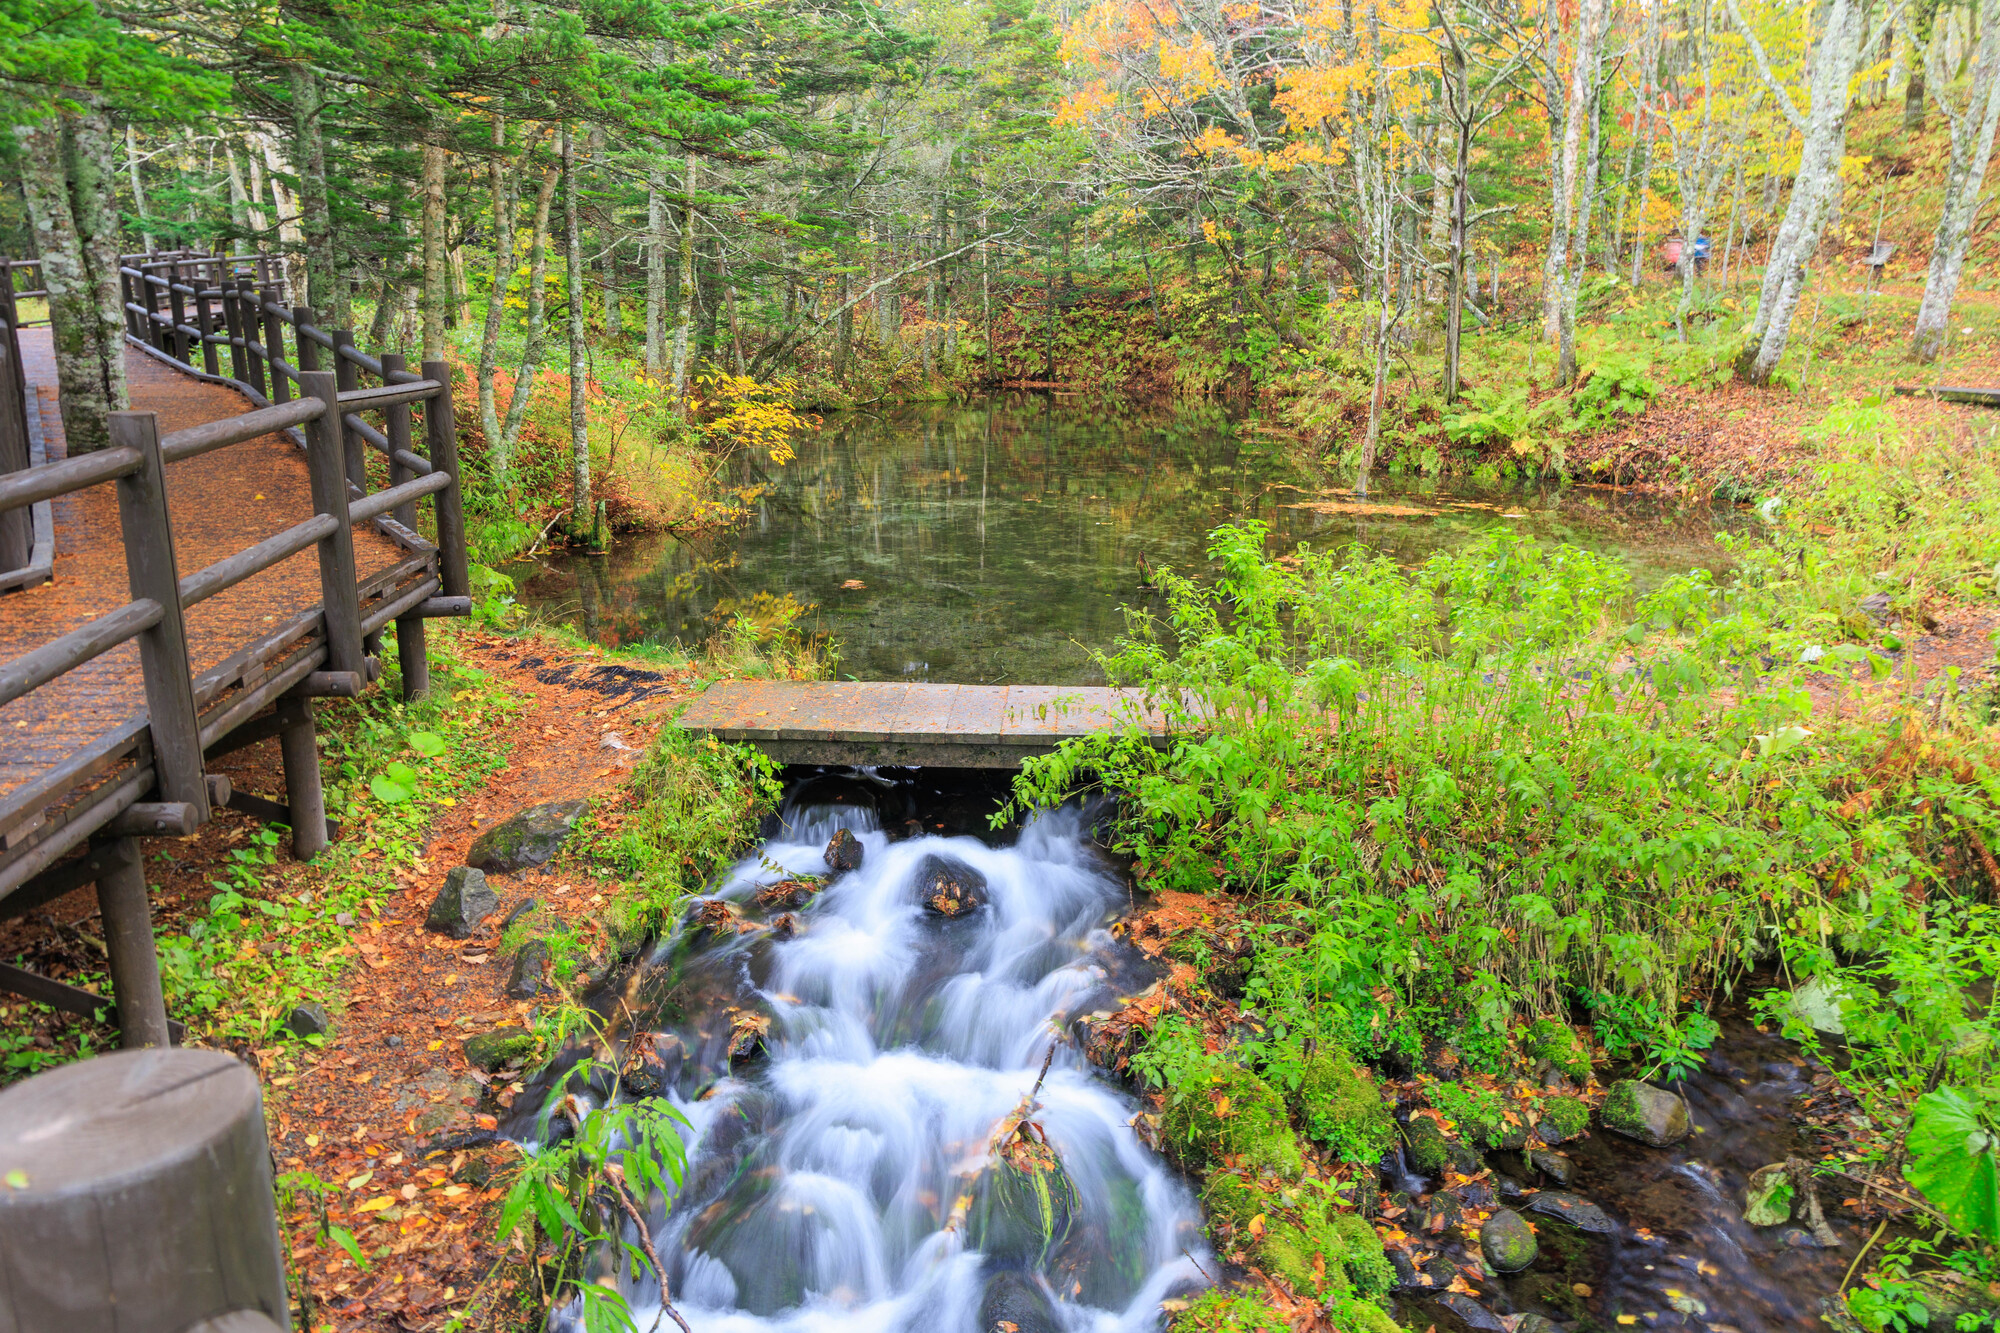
(892, 724)
(206, 495)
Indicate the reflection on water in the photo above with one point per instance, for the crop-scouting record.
(995, 540)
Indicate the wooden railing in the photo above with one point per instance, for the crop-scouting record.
(147, 778)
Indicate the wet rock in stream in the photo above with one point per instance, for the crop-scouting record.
(843, 852)
(1574, 1209)
(948, 886)
(526, 980)
(789, 893)
(1640, 1111)
(1014, 1302)
(1507, 1241)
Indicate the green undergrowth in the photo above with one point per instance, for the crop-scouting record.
(1465, 801)
(263, 936)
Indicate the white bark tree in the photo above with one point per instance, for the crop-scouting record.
(579, 419)
(68, 164)
(1816, 187)
(1972, 132)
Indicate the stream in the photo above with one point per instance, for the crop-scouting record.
(844, 1054)
(997, 539)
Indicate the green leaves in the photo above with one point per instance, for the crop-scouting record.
(395, 784)
(1953, 1161)
(427, 743)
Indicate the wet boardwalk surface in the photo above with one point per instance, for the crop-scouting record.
(880, 723)
(221, 502)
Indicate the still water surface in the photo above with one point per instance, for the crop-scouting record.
(996, 540)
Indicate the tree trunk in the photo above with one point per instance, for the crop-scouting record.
(326, 285)
(239, 198)
(684, 299)
(437, 294)
(1814, 189)
(532, 351)
(255, 206)
(67, 168)
(1565, 191)
(138, 188)
(504, 249)
(1971, 150)
(656, 266)
(579, 421)
(1648, 55)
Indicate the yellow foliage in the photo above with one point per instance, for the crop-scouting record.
(745, 413)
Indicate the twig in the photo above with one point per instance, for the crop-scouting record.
(617, 1179)
(1848, 1276)
(1047, 1060)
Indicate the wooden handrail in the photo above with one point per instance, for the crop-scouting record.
(31, 485)
(234, 430)
(80, 645)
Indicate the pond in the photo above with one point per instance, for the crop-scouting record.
(996, 540)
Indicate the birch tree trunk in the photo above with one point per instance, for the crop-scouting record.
(437, 291)
(326, 285)
(579, 421)
(1571, 194)
(1562, 163)
(255, 206)
(67, 167)
(1972, 133)
(1649, 45)
(1814, 189)
(656, 265)
(684, 299)
(138, 187)
(239, 198)
(538, 328)
(504, 250)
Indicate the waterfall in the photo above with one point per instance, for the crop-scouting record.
(846, 1178)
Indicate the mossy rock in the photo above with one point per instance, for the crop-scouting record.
(1560, 1046)
(1340, 1106)
(1227, 1111)
(1305, 1241)
(1563, 1118)
(1353, 1315)
(1429, 1151)
(1651, 1115)
(1231, 1312)
(499, 1048)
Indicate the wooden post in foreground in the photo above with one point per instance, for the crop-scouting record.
(328, 469)
(304, 795)
(128, 940)
(137, 1197)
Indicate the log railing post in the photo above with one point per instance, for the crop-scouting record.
(204, 319)
(348, 374)
(163, 658)
(239, 337)
(17, 530)
(177, 309)
(305, 797)
(125, 301)
(412, 641)
(274, 344)
(308, 350)
(149, 297)
(250, 316)
(128, 943)
(441, 439)
(341, 596)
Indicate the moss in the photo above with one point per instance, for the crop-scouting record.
(1302, 1240)
(1569, 1115)
(1353, 1315)
(1340, 1106)
(1558, 1044)
(1225, 1110)
(1222, 1312)
(1429, 1153)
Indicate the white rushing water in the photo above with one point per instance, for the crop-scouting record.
(822, 1179)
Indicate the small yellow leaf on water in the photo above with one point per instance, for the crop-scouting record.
(1628, 1319)
(17, 1179)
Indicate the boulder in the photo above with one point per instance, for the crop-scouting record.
(790, 893)
(1643, 1112)
(1556, 1166)
(949, 887)
(1429, 1152)
(843, 852)
(499, 1048)
(1574, 1209)
(309, 1020)
(529, 966)
(1471, 1313)
(526, 839)
(1507, 1242)
(460, 904)
(1563, 1119)
(1014, 1302)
